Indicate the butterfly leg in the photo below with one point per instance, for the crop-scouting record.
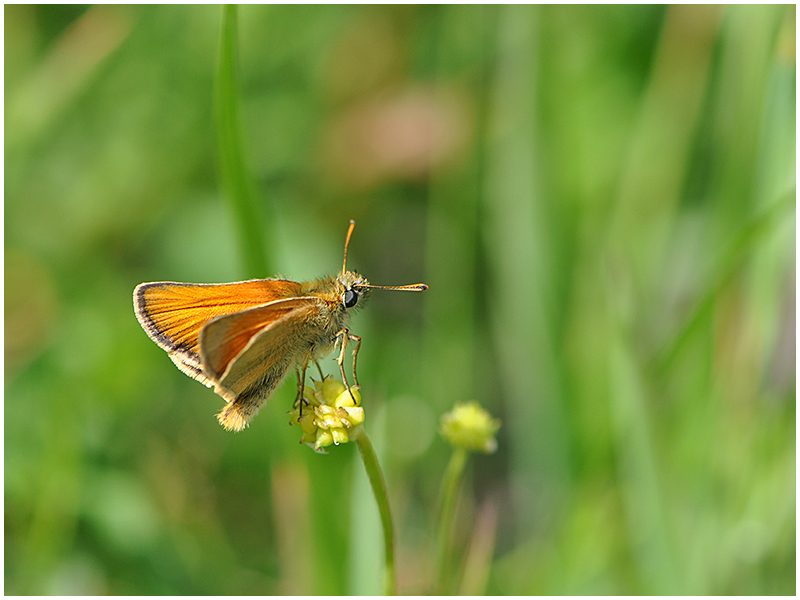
(345, 336)
(301, 382)
(321, 376)
(342, 336)
(357, 340)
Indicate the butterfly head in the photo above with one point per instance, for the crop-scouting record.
(354, 288)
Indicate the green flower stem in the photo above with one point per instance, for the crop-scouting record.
(450, 483)
(236, 179)
(382, 498)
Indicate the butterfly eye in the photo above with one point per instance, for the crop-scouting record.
(350, 298)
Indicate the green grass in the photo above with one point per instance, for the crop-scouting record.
(601, 199)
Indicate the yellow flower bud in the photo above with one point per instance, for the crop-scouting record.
(307, 423)
(327, 413)
(470, 427)
(331, 388)
(324, 438)
(355, 415)
(340, 435)
(348, 398)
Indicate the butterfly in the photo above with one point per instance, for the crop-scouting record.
(244, 338)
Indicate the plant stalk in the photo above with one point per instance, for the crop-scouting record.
(450, 484)
(378, 484)
(236, 178)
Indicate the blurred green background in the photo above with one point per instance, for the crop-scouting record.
(602, 200)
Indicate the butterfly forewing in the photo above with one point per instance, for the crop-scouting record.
(173, 313)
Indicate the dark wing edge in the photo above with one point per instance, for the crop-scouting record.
(188, 362)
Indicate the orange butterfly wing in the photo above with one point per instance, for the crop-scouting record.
(253, 349)
(173, 313)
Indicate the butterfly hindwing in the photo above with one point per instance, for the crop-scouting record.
(248, 354)
(236, 349)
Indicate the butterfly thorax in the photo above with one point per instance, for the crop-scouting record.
(341, 294)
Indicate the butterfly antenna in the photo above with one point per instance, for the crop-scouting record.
(412, 287)
(347, 243)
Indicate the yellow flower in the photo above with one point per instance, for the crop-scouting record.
(329, 413)
(470, 427)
